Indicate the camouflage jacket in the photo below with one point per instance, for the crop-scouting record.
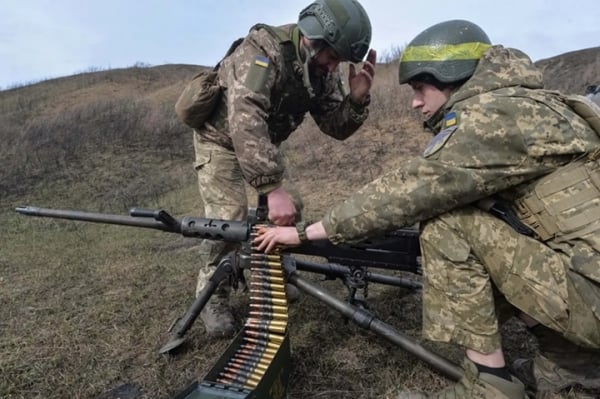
(497, 133)
(265, 99)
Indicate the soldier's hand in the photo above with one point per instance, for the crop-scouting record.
(270, 238)
(360, 82)
(282, 210)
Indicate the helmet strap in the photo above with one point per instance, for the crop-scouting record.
(311, 48)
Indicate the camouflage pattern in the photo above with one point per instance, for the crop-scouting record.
(466, 252)
(497, 134)
(265, 99)
(223, 195)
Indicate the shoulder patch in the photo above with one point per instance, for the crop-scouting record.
(450, 120)
(258, 73)
(438, 141)
(261, 61)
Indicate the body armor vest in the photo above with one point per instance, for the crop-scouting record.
(566, 203)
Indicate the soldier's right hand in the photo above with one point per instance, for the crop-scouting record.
(282, 210)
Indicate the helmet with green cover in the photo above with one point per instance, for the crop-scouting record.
(449, 51)
(342, 24)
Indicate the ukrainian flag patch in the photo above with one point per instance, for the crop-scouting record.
(450, 119)
(261, 61)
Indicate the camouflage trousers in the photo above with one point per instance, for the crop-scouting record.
(470, 256)
(223, 195)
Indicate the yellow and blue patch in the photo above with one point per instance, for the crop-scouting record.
(261, 61)
(450, 119)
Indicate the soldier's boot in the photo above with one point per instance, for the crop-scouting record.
(216, 315)
(475, 385)
(292, 293)
(560, 364)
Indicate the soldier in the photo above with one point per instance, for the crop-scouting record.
(593, 93)
(269, 82)
(503, 147)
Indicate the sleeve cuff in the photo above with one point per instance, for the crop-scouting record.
(267, 188)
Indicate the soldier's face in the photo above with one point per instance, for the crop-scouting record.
(326, 61)
(428, 99)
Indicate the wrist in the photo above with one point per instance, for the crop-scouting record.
(301, 230)
(360, 103)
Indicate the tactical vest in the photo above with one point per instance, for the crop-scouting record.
(565, 204)
(292, 101)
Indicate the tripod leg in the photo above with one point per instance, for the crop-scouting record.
(368, 321)
(177, 330)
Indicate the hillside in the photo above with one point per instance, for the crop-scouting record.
(84, 308)
(573, 71)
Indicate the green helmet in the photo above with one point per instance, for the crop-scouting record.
(449, 51)
(342, 24)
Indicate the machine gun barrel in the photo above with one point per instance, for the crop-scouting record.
(213, 229)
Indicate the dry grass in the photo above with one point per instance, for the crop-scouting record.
(84, 308)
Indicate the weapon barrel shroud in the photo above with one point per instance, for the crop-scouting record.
(212, 229)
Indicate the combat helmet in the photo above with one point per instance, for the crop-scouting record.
(449, 51)
(342, 24)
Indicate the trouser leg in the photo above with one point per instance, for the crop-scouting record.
(223, 196)
(466, 253)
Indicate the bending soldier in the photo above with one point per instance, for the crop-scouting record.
(268, 83)
(504, 147)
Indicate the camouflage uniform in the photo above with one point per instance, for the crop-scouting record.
(266, 93)
(497, 134)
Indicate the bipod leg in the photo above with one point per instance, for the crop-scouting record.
(368, 321)
(225, 270)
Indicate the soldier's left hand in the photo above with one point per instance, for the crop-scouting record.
(360, 82)
(270, 238)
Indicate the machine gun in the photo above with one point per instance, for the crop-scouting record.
(352, 264)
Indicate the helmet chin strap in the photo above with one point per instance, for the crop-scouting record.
(310, 49)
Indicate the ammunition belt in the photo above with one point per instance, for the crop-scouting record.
(265, 328)
(566, 203)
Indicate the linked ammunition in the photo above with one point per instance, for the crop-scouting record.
(230, 382)
(255, 348)
(247, 364)
(237, 378)
(266, 328)
(247, 375)
(275, 302)
(264, 271)
(270, 344)
(273, 340)
(254, 320)
(269, 307)
(262, 278)
(262, 256)
(265, 264)
(265, 355)
(267, 286)
(255, 360)
(268, 316)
